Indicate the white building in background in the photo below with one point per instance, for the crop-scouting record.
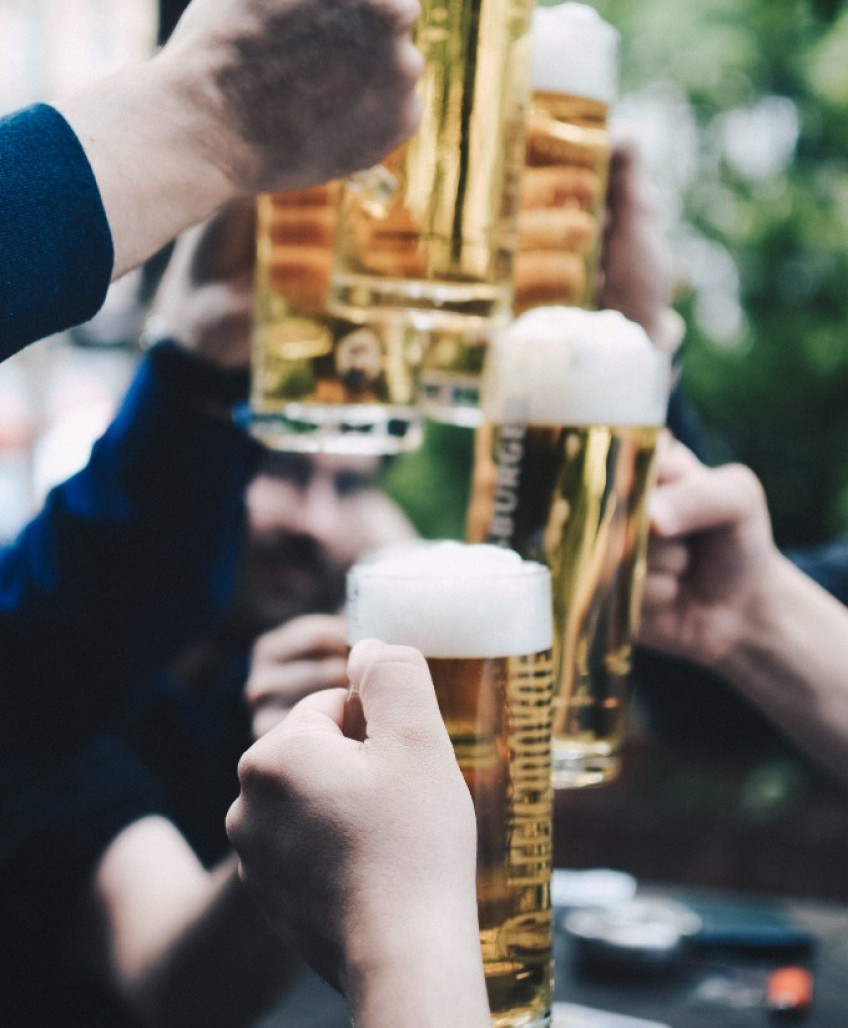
(55, 399)
(49, 48)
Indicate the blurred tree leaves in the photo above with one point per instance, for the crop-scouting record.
(762, 229)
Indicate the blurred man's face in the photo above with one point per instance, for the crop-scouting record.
(309, 518)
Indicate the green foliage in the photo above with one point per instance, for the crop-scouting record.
(774, 392)
(433, 484)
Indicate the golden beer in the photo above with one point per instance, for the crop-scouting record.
(563, 193)
(562, 198)
(429, 236)
(459, 605)
(575, 498)
(562, 473)
(321, 383)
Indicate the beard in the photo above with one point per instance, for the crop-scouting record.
(281, 576)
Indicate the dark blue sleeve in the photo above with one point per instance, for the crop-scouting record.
(129, 561)
(56, 253)
(56, 819)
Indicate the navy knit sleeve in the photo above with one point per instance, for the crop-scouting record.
(58, 817)
(56, 253)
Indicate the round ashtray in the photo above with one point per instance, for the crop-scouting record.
(639, 935)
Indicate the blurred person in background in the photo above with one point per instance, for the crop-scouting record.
(245, 96)
(119, 874)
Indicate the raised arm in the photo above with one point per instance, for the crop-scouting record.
(247, 95)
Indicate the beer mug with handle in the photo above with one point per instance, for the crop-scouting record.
(321, 383)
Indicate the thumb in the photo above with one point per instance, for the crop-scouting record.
(397, 694)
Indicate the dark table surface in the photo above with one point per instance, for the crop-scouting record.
(711, 988)
(715, 985)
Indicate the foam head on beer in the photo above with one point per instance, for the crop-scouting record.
(569, 366)
(451, 599)
(575, 52)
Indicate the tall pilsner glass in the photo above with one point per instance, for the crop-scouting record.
(482, 618)
(429, 235)
(574, 402)
(575, 74)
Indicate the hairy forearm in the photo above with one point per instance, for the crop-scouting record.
(790, 658)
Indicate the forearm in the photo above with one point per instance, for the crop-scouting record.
(155, 176)
(790, 658)
(432, 977)
(183, 945)
(224, 964)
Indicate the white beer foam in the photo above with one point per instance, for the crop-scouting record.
(569, 366)
(575, 52)
(451, 599)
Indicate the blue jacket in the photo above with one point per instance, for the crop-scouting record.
(130, 561)
(56, 253)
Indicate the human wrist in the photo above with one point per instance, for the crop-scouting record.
(758, 629)
(424, 971)
(140, 129)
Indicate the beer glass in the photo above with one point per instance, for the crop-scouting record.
(574, 401)
(482, 618)
(321, 383)
(562, 198)
(429, 235)
(560, 223)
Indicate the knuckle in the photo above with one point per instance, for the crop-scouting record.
(745, 482)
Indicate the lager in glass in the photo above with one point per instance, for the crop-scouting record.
(563, 194)
(482, 618)
(574, 401)
(429, 235)
(321, 383)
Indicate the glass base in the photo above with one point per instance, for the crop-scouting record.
(536, 1021)
(345, 429)
(452, 400)
(578, 767)
(423, 304)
